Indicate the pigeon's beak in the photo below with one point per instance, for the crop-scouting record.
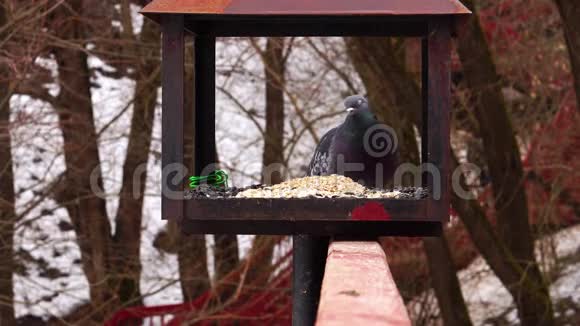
(349, 110)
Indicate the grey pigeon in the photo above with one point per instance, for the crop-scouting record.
(361, 148)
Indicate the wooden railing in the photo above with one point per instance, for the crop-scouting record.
(358, 288)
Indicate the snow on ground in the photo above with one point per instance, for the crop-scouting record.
(487, 298)
(43, 234)
(48, 281)
(44, 237)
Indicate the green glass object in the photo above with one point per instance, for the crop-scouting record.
(217, 178)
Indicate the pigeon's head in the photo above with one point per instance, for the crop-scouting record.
(358, 110)
(355, 102)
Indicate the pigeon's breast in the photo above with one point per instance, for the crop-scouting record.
(351, 158)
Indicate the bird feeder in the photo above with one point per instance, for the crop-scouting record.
(433, 21)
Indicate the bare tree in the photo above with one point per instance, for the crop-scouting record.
(273, 59)
(127, 237)
(7, 199)
(75, 112)
(502, 156)
(72, 34)
(110, 262)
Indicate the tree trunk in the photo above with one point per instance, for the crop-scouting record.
(390, 86)
(494, 251)
(274, 68)
(505, 167)
(443, 274)
(226, 259)
(260, 256)
(127, 238)
(570, 11)
(193, 273)
(391, 89)
(7, 199)
(75, 112)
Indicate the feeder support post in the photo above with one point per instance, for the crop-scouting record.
(308, 262)
(172, 67)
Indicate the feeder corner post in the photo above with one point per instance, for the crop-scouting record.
(205, 152)
(172, 67)
(436, 93)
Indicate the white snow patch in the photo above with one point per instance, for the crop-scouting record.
(485, 295)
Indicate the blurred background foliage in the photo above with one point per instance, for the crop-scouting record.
(80, 102)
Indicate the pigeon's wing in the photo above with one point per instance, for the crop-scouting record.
(320, 163)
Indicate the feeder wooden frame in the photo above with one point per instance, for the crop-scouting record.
(300, 216)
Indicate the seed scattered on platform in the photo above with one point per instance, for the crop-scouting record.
(332, 186)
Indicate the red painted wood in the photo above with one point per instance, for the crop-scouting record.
(371, 211)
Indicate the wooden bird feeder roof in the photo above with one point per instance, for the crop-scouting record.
(305, 17)
(305, 7)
